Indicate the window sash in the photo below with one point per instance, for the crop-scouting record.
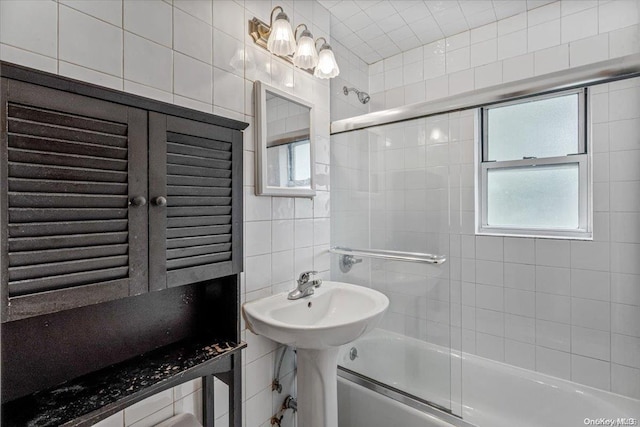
(582, 123)
(584, 229)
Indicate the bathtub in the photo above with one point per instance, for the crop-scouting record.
(494, 394)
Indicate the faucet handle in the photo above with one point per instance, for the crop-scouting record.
(304, 276)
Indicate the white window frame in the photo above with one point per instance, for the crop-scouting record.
(582, 158)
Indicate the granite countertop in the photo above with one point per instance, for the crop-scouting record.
(115, 387)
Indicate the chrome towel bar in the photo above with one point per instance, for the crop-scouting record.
(390, 255)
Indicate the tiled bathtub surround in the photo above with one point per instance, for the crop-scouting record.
(566, 308)
(197, 54)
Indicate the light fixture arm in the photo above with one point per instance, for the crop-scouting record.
(271, 18)
(306, 29)
(324, 42)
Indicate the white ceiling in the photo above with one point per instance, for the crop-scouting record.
(377, 29)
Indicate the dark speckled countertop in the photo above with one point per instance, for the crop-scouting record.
(94, 396)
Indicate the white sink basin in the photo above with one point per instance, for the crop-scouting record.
(336, 314)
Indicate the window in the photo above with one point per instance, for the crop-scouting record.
(533, 172)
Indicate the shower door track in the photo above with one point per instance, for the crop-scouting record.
(398, 395)
(611, 70)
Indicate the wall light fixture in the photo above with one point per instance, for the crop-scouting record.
(279, 39)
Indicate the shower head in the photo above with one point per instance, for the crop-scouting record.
(362, 96)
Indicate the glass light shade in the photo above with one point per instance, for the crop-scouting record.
(281, 40)
(306, 56)
(327, 67)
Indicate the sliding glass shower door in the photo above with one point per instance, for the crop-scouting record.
(398, 188)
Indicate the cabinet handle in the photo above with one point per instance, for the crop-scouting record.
(138, 201)
(160, 201)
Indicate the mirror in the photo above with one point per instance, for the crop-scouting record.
(284, 155)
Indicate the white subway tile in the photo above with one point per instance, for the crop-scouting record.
(517, 68)
(624, 258)
(590, 284)
(460, 82)
(555, 253)
(591, 372)
(488, 75)
(27, 58)
(457, 60)
(554, 308)
(520, 276)
(228, 16)
(552, 59)
(591, 343)
(192, 78)
(553, 280)
(617, 14)
(257, 238)
(490, 346)
(543, 36)
(228, 53)
(90, 76)
(624, 104)
(625, 350)
(553, 335)
(150, 19)
(458, 41)
(625, 319)
(625, 41)
(199, 9)
(282, 267)
(519, 250)
(147, 63)
(625, 380)
(106, 10)
(192, 36)
(484, 52)
(520, 328)
(41, 19)
(257, 272)
(590, 50)
(591, 314)
(553, 362)
(519, 302)
(512, 44)
(89, 42)
(625, 288)
(544, 14)
(590, 255)
(580, 25)
(228, 90)
(489, 248)
(489, 272)
(571, 7)
(486, 32)
(520, 354)
(259, 375)
(512, 24)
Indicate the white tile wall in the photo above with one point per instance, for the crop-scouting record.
(565, 308)
(199, 54)
(542, 40)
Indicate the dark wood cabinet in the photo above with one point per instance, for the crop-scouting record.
(105, 195)
(194, 234)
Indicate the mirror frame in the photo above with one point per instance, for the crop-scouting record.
(262, 189)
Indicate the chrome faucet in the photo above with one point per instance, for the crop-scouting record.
(305, 286)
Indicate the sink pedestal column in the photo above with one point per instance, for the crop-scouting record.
(318, 387)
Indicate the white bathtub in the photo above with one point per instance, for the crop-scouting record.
(493, 394)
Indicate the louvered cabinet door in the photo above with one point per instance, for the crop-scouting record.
(195, 215)
(72, 200)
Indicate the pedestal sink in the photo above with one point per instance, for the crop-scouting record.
(317, 325)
